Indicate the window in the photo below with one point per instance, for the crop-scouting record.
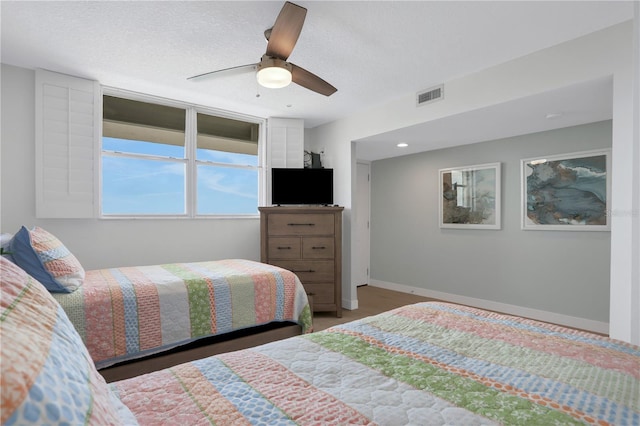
(154, 164)
(227, 165)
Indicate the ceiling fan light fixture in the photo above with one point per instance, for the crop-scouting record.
(273, 70)
(274, 73)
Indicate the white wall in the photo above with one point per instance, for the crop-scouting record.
(102, 243)
(560, 274)
(605, 53)
(634, 293)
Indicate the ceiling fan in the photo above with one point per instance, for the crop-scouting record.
(273, 70)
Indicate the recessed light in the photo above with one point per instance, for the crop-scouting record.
(402, 145)
(552, 115)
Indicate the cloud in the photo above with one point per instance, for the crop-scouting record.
(146, 168)
(229, 183)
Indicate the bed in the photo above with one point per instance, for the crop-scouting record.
(136, 313)
(428, 363)
(135, 320)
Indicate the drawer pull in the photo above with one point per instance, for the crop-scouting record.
(301, 224)
(318, 248)
(302, 270)
(284, 248)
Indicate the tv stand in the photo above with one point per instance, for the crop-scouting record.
(306, 240)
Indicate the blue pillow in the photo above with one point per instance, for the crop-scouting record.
(46, 259)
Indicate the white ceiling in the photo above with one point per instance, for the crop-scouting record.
(373, 52)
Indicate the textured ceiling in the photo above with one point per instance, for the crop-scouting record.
(372, 52)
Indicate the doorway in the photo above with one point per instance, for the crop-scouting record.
(362, 224)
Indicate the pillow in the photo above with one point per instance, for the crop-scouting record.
(45, 258)
(47, 374)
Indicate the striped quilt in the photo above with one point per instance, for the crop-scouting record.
(424, 364)
(125, 313)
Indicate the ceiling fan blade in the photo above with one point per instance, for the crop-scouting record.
(311, 81)
(225, 72)
(285, 31)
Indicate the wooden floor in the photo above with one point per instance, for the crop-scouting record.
(371, 301)
(374, 300)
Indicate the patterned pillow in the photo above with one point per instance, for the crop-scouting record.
(45, 258)
(47, 374)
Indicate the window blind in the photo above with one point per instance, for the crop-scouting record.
(67, 114)
(285, 142)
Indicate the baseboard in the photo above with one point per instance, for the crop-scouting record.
(350, 305)
(552, 317)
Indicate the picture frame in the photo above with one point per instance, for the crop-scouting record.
(567, 192)
(470, 197)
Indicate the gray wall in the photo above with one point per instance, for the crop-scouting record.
(564, 272)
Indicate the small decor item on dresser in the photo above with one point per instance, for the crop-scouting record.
(312, 160)
(470, 197)
(568, 192)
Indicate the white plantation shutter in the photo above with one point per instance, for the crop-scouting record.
(285, 142)
(67, 131)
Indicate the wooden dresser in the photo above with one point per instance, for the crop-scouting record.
(307, 241)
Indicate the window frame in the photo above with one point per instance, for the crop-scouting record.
(190, 160)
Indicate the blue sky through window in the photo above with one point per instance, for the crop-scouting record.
(150, 186)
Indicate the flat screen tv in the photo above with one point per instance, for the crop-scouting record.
(301, 186)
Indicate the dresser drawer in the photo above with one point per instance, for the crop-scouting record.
(317, 248)
(323, 293)
(309, 270)
(284, 248)
(301, 224)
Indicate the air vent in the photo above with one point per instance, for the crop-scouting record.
(430, 95)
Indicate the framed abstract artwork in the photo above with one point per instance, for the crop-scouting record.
(568, 192)
(470, 197)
